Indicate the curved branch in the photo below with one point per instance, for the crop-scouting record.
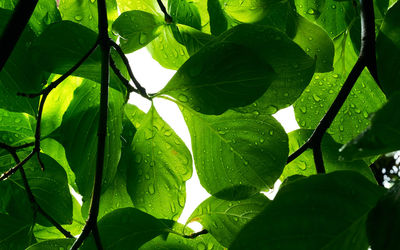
(167, 17)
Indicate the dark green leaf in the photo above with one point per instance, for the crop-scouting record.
(381, 137)
(136, 29)
(78, 135)
(15, 128)
(173, 241)
(224, 219)
(218, 20)
(184, 12)
(388, 50)
(158, 168)
(166, 50)
(220, 76)
(364, 98)
(236, 155)
(14, 233)
(384, 220)
(52, 244)
(19, 75)
(126, 228)
(319, 212)
(315, 42)
(304, 164)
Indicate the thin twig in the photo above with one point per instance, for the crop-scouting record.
(14, 169)
(124, 81)
(54, 84)
(91, 223)
(14, 28)
(37, 130)
(194, 235)
(141, 90)
(167, 17)
(365, 58)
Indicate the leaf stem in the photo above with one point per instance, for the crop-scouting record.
(366, 58)
(14, 28)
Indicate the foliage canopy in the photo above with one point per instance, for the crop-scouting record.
(65, 124)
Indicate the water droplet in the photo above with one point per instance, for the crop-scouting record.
(138, 158)
(147, 177)
(303, 109)
(271, 109)
(341, 128)
(316, 98)
(235, 218)
(168, 132)
(143, 38)
(78, 18)
(182, 98)
(335, 76)
(17, 120)
(365, 114)
(262, 140)
(311, 11)
(181, 200)
(310, 38)
(151, 189)
(333, 6)
(92, 1)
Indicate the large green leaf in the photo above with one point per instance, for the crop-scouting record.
(184, 12)
(319, 212)
(49, 187)
(19, 75)
(158, 168)
(236, 155)
(384, 220)
(315, 42)
(294, 68)
(224, 219)
(78, 135)
(62, 45)
(14, 233)
(364, 98)
(136, 29)
(85, 13)
(126, 228)
(381, 137)
(166, 50)
(220, 76)
(15, 128)
(388, 50)
(45, 13)
(52, 244)
(304, 164)
(174, 241)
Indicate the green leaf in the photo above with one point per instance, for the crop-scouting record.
(388, 50)
(248, 11)
(319, 212)
(193, 39)
(49, 187)
(173, 241)
(383, 221)
(218, 20)
(184, 12)
(126, 228)
(294, 68)
(236, 155)
(15, 128)
(304, 164)
(224, 219)
(136, 29)
(85, 12)
(14, 233)
(381, 137)
(78, 135)
(52, 244)
(19, 75)
(315, 42)
(158, 168)
(365, 97)
(220, 76)
(45, 13)
(166, 50)
(62, 45)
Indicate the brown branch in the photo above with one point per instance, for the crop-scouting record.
(14, 28)
(365, 58)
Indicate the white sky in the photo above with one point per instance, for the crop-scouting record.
(154, 77)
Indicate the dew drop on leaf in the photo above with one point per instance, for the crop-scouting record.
(151, 189)
(142, 38)
(311, 11)
(78, 18)
(316, 98)
(182, 98)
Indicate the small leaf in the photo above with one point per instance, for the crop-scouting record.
(304, 164)
(136, 29)
(236, 155)
(220, 76)
(52, 244)
(383, 221)
(319, 212)
(224, 219)
(159, 165)
(126, 228)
